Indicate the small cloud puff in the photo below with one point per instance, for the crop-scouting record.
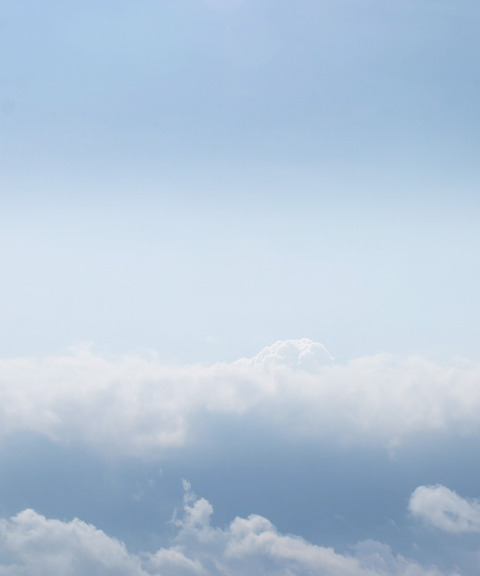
(445, 509)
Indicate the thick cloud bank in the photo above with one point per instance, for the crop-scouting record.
(31, 544)
(445, 509)
(136, 405)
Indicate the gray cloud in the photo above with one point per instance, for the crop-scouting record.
(445, 509)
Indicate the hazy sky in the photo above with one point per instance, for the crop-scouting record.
(239, 250)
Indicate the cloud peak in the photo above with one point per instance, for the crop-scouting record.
(302, 354)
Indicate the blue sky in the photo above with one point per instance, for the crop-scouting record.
(315, 165)
(197, 197)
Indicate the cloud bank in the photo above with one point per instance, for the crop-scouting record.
(445, 509)
(34, 545)
(138, 406)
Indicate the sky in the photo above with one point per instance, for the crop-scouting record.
(239, 276)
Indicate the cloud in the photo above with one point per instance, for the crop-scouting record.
(31, 544)
(34, 545)
(301, 354)
(135, 405)
(254, 546)
(445, 509)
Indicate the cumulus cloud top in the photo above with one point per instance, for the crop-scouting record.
(136, 405)
(34, 545)
(445, 509)
(303, 354)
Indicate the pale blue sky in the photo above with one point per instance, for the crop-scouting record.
(202, 281)
(204, 178)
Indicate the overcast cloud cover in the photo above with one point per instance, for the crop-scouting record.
(239, 278)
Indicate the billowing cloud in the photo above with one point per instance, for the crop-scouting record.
(31, 544)
(254, 546)
(137, 405)
(34, 545)
(445, 509)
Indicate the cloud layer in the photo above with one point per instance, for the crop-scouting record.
(445, 509)
(136, 405)
(34, 545)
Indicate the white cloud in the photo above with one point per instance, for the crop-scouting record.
(33, 545)
(301, 354)
(251, 546)
(445, 509)
(136, 405)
